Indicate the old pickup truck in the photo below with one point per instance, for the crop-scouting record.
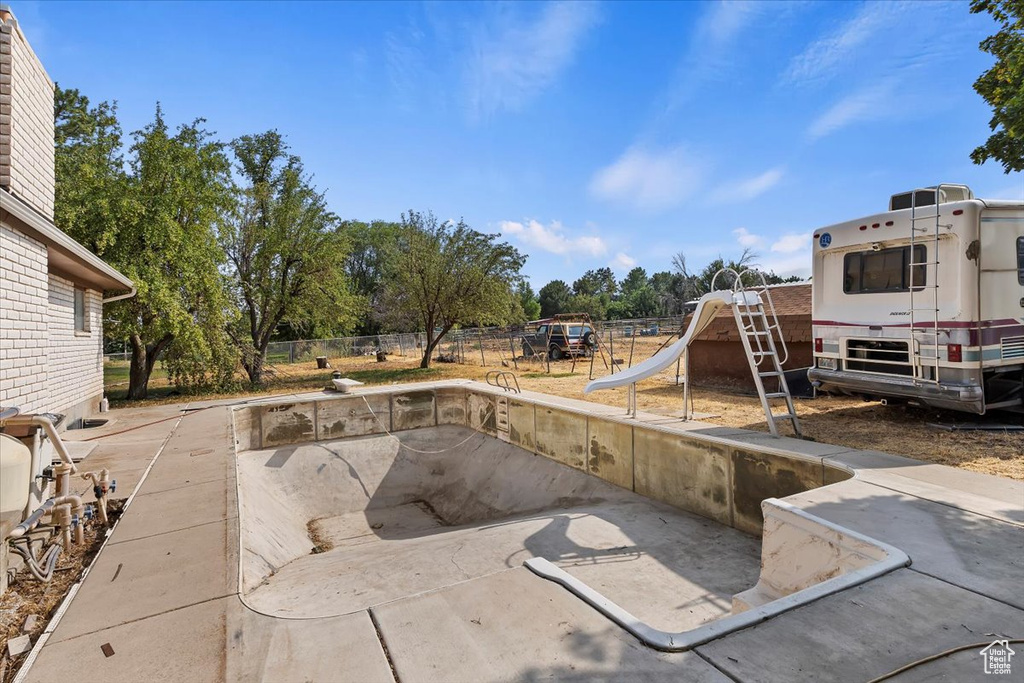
(561, 338)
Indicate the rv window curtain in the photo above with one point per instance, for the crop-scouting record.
(886, 270)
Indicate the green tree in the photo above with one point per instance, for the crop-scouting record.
(447, 274)
(286, 253)
(554, 298)
(594, 305)
(704, 281)
(596, 282)
(368, 267)
(153, 216)
(1002, 86)
(633, 281)
(92, 201)
(528, 301)
(670, 290)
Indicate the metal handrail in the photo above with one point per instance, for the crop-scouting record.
(501, 380)
(764, 295)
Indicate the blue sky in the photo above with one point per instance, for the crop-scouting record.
(589, 134)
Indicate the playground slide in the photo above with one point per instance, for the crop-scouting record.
(707, 307)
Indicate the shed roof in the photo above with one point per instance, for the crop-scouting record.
(792, 305)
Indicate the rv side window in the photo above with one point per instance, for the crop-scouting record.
(886, 270)
(1020, 260)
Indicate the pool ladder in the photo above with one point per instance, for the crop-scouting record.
(500, 379)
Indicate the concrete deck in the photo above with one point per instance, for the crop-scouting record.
(164, 592)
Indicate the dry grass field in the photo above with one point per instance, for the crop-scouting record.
(846, 421)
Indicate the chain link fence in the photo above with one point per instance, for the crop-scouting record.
(619, 343)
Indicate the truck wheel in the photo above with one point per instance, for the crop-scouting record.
(589, 339)
(555, 353)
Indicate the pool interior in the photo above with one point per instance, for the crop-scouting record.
(337, 526)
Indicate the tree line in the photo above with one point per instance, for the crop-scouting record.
(665, 293)
(231, 246)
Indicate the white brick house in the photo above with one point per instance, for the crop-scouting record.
(51, 288)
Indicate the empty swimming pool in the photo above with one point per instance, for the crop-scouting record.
(352, 503)
(339, 526)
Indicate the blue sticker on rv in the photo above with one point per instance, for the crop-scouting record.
(825, 240)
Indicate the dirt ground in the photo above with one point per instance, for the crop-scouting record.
(840, 420)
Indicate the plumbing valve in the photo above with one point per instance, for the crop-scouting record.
(103, 488)
(74, 521)
(90, 512)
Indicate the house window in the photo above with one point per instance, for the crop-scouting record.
(1020, 260)
(885, 270)
(81, 317)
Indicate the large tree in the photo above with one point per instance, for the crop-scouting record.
(528, 301)
(286, 252)
(153, 216)
(595, 283)
(554, 298)
(368, 267)
(447, 274)
(1002, 86)
(633, 281)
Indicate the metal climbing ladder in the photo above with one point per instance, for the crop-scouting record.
(925, 225)
(758, 327)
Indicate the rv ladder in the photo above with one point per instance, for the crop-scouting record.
(924, 319)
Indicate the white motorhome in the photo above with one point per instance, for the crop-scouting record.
(923, 302)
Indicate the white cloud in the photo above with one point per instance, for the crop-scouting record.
(647, 180)
(822, 58)
(709, 52)
(747, 239)
(787, 244)
(623, 261)
(798, 264)
(749, 188)
(512, 60)
(725, 20)
(868, 104)
(406, 63)
(551, 238)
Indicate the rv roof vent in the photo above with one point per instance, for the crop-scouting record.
(926, 196)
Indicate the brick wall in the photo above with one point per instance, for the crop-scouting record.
(26, 121)
(23, 321)
(74, 371)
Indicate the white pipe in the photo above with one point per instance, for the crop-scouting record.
(51, 432)
(103, 483)
(685, 640)
(36, 491)
(119, 297)
(61, 516)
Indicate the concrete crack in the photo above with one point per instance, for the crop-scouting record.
(451, 559)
